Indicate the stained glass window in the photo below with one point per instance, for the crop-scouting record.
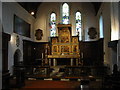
(101, 26)
(78, 25)
(53, 25)
(65, 13)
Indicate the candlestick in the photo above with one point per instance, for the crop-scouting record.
(82, 54)
(42, 55)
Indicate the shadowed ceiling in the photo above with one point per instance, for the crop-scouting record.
(30, 6)
(33, 6)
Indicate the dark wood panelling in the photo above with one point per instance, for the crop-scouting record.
(112, 44)
(32, 52)
(92, 52)
(5, 40)
(5, 71)
(28, 52)
(39, 49)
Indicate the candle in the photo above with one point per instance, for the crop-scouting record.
(42, 55)
(82, 54)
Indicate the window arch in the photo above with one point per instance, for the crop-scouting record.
(78, 25)
(101, 26)
(52, 24)
(65, 13)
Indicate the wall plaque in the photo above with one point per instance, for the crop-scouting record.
(92, 33)
(39, 34)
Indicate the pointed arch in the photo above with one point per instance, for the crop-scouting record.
(17, 56)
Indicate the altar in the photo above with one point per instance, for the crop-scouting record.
(63, 56)
(71, 57)
(64, 46)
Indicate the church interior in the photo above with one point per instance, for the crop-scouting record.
(60, 45)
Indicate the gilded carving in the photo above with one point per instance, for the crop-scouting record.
(75, 39)
(64, 35)
(54, 40)
(65, 44)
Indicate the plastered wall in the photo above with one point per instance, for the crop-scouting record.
(105, 11)
(8, 11)
(45, 9)
(110, 13)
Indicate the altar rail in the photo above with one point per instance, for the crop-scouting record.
(77, 71)
(36, 71)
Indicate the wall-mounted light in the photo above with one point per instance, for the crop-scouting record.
(114, 22)
(15, 40)
(12, 39)
(32, 13)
